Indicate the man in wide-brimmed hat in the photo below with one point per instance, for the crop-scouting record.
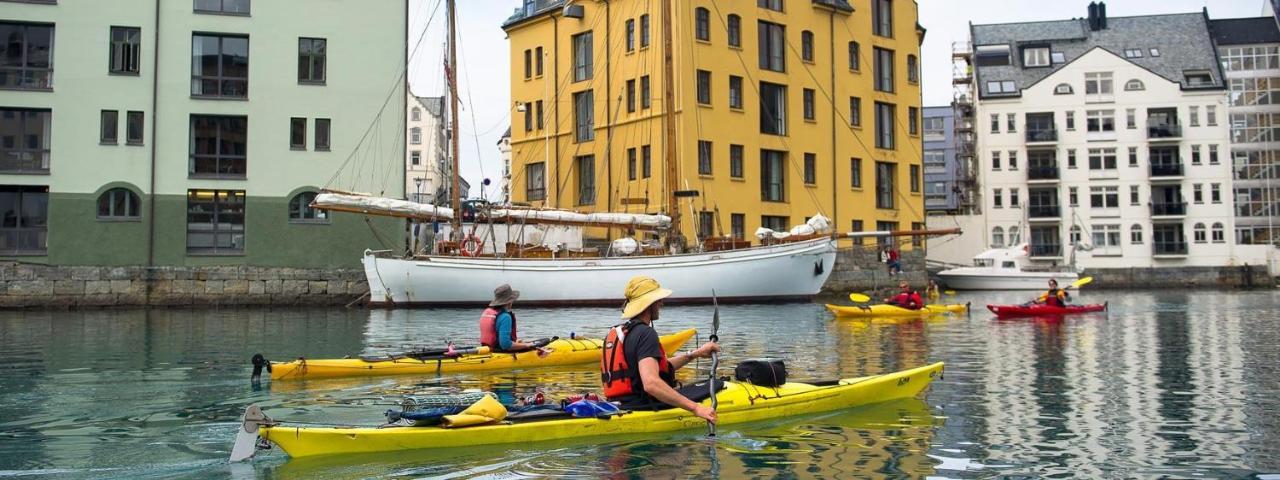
(635, 368)
(498, 323)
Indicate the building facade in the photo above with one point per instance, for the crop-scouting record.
(783, 110)
(941, 169)
(1103, 143)
(427, 165)
(196, 141)
(504, 152)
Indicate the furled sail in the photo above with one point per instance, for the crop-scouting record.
(365, 204)
(626, 220)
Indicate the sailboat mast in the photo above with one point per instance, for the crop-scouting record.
(455, 193)
(669, 109)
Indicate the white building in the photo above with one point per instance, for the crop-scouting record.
(1102, 142)
(427, 169)
(504, 149)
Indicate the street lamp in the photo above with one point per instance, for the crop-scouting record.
(418, 191)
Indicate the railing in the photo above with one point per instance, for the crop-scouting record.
(1168, 209)
(1169, 130)
(1042, 135)
(1044, 211)
(1046, 250)
(1169, 248)
(1042, 173)
(1166, 169)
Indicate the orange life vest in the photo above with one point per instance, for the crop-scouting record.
(489, 328)
(619, 379)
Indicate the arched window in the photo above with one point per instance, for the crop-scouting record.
(735, 30)
(1076, 235)
(913, 69)
(1015, 236)
(300, 210)
(1219, 236)
(119, 203)
(806, 46)
(1134, 84)
(702, 24)
(997, 237)
(415, 136)
(1135, 234)
(417, 114)
(1198, 233)
(1062, 89)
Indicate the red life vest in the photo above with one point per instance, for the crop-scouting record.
(910, 300)
(619, 379)
(489, 328)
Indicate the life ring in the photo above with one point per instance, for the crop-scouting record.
(470, 246)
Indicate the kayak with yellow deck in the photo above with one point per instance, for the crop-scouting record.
(564, 351)
(894, 310)
(739, 402)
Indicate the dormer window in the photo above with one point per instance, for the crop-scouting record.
(1198, 78)
(1133, 53)
(1155, 52)
(992, 55)
(1035, 57)
(1133, 85)
(1058, 57)
(1002, 86)
(1062, 89)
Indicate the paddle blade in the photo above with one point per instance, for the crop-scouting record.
(950, 293)
(859, 298)
(1082, 282)
(715, 316)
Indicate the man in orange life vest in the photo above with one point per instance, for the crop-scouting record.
(498, 324)
(635, 369)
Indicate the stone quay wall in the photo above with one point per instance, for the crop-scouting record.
(1226, 277)
(859, 269)
(41, 286)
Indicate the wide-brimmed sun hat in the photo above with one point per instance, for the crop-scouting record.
(504, 295)
(641, 292)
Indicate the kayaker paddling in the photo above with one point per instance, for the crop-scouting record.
(1057, 297)
(906, 298)
(498, 324)
(635, 369)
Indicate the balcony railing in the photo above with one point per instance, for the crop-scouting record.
(1044, 211)
(1168, 130)
(1166, 169)
(1165, 209)
(1042, 135)
(1169, 248)
(1042, 173)
(1046, 250)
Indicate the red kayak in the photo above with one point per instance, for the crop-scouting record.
(1033, 310)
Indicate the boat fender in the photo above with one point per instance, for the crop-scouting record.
(259, 362)
(764, 372)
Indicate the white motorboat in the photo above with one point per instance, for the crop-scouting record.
(1004, 269)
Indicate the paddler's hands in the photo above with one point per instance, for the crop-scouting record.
(705, 350)
(706, 413)
(544, 351)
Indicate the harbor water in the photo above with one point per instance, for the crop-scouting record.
(1165, 383)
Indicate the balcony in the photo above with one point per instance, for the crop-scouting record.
(1159, 170)
(1044, 212)
(1169, 249)
(1047, 251)
(1164, 132)
(1169, 209)
(1042, 135)
(1042, 173)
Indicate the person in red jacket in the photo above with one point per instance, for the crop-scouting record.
(907, 298)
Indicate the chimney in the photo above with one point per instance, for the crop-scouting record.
(1093, 16)
(1102, 15)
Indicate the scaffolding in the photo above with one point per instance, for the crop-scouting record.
(962, 105)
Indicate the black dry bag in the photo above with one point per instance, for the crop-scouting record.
(765, 372)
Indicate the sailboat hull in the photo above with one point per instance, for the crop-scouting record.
(786, 272)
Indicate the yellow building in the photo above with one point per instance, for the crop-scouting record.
(783, 109)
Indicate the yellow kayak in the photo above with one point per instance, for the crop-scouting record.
(739, 402)
(894, 311)
(563, 352)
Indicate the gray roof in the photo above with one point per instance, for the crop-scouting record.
(545, 6)
(1245, 31)
(1183, 40)
(434, 105)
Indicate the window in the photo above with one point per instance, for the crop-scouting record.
(1097, 87)
(27, 59)
(645, 97)
(586, 166)
(1013, 160)
(1071, 158)
(810, 168)
(991, 55)
(735, 92)
(537, 61)
(735, 161)
(995, 123)
(1011, 125)
(915, 178)
(528, 116)
(738, 225)
(1100, 121)
(1215, 193)
(855, 172)
(706, 224)
(1073, 199)
(1105, 237)
(538, 113)
(997, 198)
(119, 204)
(1015, 235)
(809, 113)
(1134, 85)
(884, 126)
(218, 146)
(528, 65)
(1133, 53)
(1002, 86)
(631, 35)
(298, 133)
(416, 114)
(582, 62)
(109, 128)
(24, 230)
(311, 60)
(1133, 156)
(1155, 52)
(773, 46)
(584, 115)
(702, 24)
(1058, 57)
(215, 222)
(882, 17)
(1102, 159)
(1199, 78)
(857, 228)
(995, 160)
(997, 237)
(229, 7)
(1135, 234)
(1213, 154)
(704, 157)
(1076, 235)
(855, 111)
(806, 46)
(913, 69)
(935, 126)
(415, 158)
(219, 66)
(1198, 233)
(1104, 197)
(1035, 57)
(775, 223)
(883, 68)
(775, 5)
(535, 187)
(1193, 112)
(1197, 194)
(631, 95)
(913, 120)
(704, 87)
(133, 127)
(1062, 89)
(631, 164)
(645, 160)
(1211, 115)
(773, 176)
(886, 174)
(855, 63)
(1218, 235)
(301, 211)
(1071, 120)
(1134, 192)
(31, 129)
(322, 135)
(1195, 154)
(773, 108)
(126, 50)
(734, 26)
(644, 30)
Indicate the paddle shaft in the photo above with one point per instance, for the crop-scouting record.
(715, 360)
